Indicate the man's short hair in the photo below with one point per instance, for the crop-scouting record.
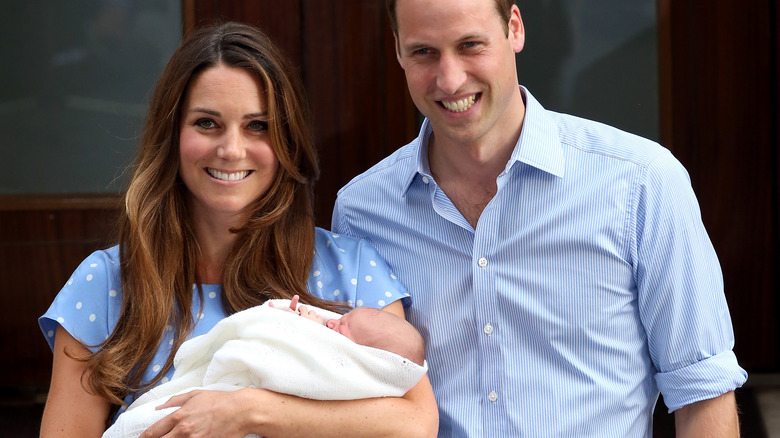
(503, 7)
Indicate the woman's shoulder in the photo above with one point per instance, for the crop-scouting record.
(350, 270)
(88, 303)
(328, 241)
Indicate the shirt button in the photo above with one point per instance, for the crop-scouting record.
(488, 329)
(482, 262)
(493, 396)
(425, 179)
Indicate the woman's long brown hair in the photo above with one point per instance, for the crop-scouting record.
(272, 254)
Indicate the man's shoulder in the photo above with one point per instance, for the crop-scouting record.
(590, 136)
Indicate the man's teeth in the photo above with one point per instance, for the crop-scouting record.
(460, 105)
(228, 176)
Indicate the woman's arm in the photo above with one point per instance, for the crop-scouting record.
(214, 413)
(217, 413)
(70, 410)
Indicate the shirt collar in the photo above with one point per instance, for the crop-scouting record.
(539, 144)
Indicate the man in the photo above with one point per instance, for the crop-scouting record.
(559, 270)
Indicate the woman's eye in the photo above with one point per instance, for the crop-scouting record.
(257, 125)
(205, 123)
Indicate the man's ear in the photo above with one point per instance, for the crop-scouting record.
(397, 50)
(516, 30)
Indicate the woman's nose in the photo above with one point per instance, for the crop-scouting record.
(232, 146)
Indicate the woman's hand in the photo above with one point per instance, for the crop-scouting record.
(204, 414)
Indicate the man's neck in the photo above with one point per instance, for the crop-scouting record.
(467, 172)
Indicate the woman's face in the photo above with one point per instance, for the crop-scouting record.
(226, 159)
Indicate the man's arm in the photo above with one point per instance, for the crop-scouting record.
(715, 417)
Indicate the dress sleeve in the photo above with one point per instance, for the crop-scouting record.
(351, 271)
(377, 285)
(87, 304)
(680, 290)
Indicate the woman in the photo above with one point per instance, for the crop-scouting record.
(218, 218)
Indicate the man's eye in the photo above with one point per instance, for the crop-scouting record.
(423, 51)
(469, 44)
(205, 124)
(257, 125)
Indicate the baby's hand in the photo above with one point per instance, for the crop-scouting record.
(310, 314)
(293, 305)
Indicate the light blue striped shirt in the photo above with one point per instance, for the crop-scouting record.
(588, 285)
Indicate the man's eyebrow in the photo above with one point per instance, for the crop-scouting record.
(470, 37)
(417, 45)
(413, 47)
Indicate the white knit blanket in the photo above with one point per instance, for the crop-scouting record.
(269, 348)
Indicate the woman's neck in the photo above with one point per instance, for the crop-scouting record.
(215, 241)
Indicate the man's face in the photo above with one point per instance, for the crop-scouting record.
(460, 64)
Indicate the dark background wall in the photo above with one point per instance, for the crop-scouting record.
(719, 113)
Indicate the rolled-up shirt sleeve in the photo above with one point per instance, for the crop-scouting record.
(680, 290)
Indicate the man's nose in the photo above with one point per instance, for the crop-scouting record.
(451, 75)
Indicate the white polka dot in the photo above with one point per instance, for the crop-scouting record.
(335, 236)
(393, 277)
(156, 368)
(369, 278)
(212, 294)
(170, 342)
(50, 333)
(381, 303)
(359, 303)
(407, 294)
(93, 265)
(340, 267)
(201, 316)
(316, 273)
(92, 317)
(319, 284)
(349, 303)
(327, 243)
(336, 292)
(164, 380)
(78, 305)
(168, 327)
(341, 249)
(388, 294)
(60, 320)
(89, 277)
(372, 263)
(353, 281)
(70, 282)
(112, 293)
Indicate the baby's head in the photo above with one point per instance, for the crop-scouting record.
(384, 330)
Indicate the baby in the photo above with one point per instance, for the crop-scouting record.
(370, 327)
(366, 353)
